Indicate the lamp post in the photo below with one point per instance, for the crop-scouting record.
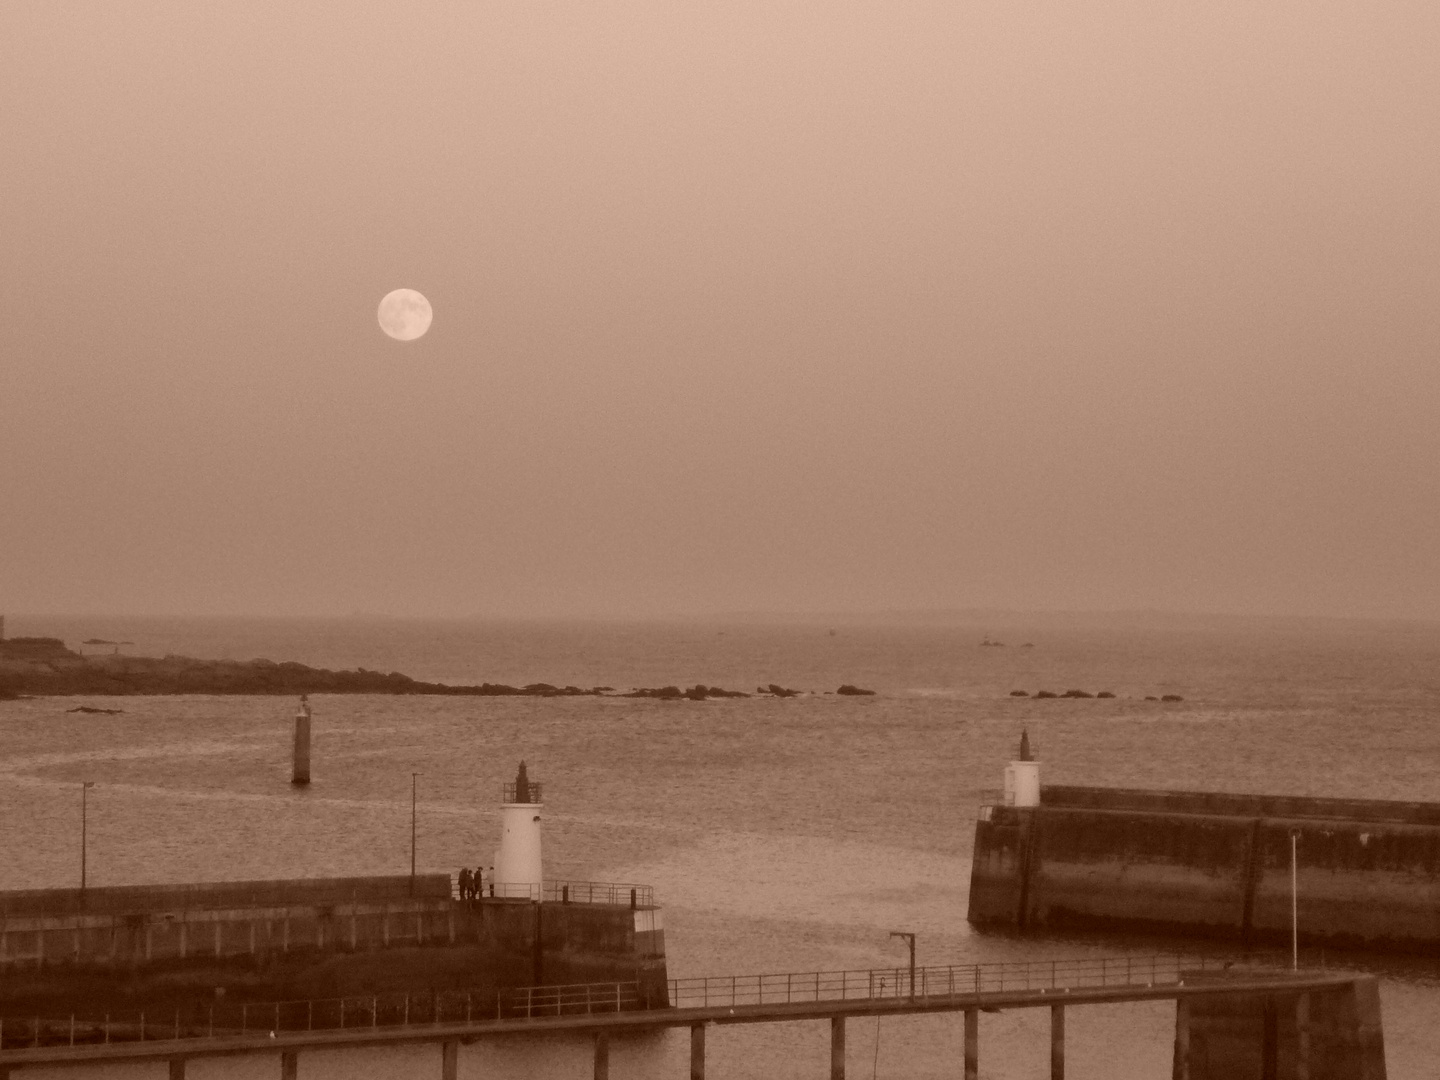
(909, 939)
(85, 787)
(413, 775)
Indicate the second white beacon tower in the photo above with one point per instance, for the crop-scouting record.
(517, 860)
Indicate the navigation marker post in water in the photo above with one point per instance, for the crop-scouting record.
(85, 787)
(300, 771)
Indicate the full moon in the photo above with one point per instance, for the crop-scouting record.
(405, 314)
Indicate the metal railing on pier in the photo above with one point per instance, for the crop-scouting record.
(401, 1011)
(376, 1011)
(253, 1018)
(932, 982)
(578, 1000)
(622, 894)
(986, 800)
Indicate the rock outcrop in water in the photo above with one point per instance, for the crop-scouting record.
(1077, 694)
(776, 690)
(45, 667)
(57, 671)
(698, 692)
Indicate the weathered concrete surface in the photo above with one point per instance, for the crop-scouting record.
(1322, 1034)
(1252, 806)
(209, 895)
(1185, 862)
(169, 947)
(1358, 884)
(998, 873)
(1085, 865)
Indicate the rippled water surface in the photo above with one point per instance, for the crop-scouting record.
(779, 834)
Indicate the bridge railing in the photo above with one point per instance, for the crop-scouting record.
(225, 1020)
(388, 1011)
(931, 982)
(577, 1000)
(399, 1010)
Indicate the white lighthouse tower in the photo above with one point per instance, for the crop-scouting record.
(1022, 777)
(517, 859)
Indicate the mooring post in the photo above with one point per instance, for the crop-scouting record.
(1057, 1042)
(289, 1065)
(1302, 1037)
(972, 1044)
(837, 1048)
(697, 1052)
(177, 1068)
(602, 1055)
(1181, 1068)
(449, 1059)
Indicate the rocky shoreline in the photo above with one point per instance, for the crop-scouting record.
(44, 667)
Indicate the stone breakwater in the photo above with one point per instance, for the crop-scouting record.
(1367, 872)
(181, 949)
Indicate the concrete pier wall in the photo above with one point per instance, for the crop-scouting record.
(1333, 1034)
(1084, 867)
(1194, 863)
(159, 947)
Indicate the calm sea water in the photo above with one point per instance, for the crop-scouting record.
(779, 834)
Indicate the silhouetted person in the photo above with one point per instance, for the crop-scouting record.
(465, 883)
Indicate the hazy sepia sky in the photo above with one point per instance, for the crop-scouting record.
(1056, 304)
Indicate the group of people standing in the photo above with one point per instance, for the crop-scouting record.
(472, 882)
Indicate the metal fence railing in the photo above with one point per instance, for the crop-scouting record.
(578, 1000)
(600, 892)
(986, 800)
(569, 892)
(375, 1011)
(932, 982)
(224, 1020)
(479, 1006)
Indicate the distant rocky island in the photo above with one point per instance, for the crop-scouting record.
(46, 667)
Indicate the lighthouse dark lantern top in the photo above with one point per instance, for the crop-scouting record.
(523, 790)
(1025, 754)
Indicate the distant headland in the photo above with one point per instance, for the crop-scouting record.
(46, 667)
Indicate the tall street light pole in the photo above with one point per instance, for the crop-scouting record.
(85, 787)
(413, 775)
(909, 939)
